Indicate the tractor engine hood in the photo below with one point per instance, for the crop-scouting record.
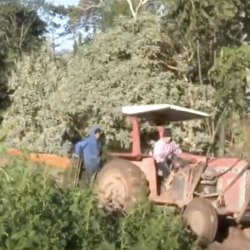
(233, 180)
(220, 163)
(228, 164)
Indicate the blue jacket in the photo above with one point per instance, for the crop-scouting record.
(89, 150)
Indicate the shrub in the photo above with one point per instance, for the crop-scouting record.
(36, 214)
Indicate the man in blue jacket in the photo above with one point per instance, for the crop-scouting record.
(89, 151)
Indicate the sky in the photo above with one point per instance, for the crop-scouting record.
(65, 43)
(64, 2)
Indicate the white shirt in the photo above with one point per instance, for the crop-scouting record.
(164, 150)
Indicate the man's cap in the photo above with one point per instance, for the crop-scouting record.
(97, 130)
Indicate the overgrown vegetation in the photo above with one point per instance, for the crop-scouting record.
(183, 52)
(21, 31)
(190, 53)
(36, 214)
(37, 124)
(127, 63)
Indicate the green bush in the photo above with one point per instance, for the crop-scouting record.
(36, 214)
(49, 92)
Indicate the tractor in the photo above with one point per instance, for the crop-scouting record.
(204, 189)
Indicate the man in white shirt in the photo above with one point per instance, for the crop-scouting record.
(164, 150)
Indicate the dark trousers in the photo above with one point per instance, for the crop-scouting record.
(164, 167)
(87, 176)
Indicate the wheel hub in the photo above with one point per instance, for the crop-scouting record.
(113, 194)
(196, 222)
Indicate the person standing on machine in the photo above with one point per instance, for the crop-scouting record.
(89, 150)
(164, 151)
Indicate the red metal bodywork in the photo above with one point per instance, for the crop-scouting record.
(55, 161)
(235, 198)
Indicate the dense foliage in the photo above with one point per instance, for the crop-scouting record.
(206, 30)
(128, 64)
(21, 31)
(189, 53)
(38, 102)
(36, 214)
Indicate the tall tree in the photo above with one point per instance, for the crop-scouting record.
(182, 56)
(210, 31)
(94, 16)
(130, 63)
(21, 30)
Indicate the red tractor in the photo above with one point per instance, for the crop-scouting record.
(205, 189)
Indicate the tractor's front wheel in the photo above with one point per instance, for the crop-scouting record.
(202, 219)
(120, 186)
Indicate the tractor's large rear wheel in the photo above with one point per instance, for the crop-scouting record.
(202, 219)
(120, 186)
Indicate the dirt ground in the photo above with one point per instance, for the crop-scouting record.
(236, 240)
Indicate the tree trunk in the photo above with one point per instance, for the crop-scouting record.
(221, 143)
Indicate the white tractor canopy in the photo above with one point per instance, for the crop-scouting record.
(163, 113)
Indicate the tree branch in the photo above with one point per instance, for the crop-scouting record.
(142, 2)
(170, 66)
(213, 129)
(96, 6)
(222, 116)
(23, 34)
(131, 8)
(199, 62)
(190, 54)
(86, 5)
